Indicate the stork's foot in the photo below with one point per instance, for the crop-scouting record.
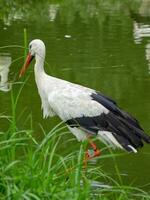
(91, 153)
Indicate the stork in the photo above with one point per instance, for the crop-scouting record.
(85, 111)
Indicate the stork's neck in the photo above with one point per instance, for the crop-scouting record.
(39, 65)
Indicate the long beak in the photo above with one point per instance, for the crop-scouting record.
(26, 64)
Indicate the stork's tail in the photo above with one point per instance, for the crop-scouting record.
(124, 133)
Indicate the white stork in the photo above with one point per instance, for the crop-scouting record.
(85, 111)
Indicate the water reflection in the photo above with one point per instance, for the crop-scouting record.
(141, 28)
(53, 9)
(98, 185)
(147, 52)
(141, 31)
(144, 9)
(66, 10)
(5, 62)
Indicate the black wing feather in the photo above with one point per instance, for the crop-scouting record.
(112, 106)
(122, 125)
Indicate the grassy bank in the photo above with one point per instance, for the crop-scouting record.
(31, 169)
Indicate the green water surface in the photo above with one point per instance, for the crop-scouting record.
(103, 45)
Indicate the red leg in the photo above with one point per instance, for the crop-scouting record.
(89, 154)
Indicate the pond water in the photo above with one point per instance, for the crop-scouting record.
(100, 44)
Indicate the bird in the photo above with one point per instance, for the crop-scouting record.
(86, 112)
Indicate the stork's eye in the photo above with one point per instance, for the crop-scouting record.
(30, 46)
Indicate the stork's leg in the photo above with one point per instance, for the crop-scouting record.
(91, 153)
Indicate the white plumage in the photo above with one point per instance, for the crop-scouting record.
(85, 111)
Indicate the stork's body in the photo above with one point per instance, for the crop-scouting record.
(85, 111)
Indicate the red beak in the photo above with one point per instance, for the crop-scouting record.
(26, 65)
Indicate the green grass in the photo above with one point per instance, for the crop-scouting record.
(31, 169)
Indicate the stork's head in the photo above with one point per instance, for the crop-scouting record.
(36, 49)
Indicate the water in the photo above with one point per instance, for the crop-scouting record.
(100, 44)
(5, 62)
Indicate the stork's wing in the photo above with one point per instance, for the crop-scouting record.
(112, 107)
(123, 126)
(71, 101)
